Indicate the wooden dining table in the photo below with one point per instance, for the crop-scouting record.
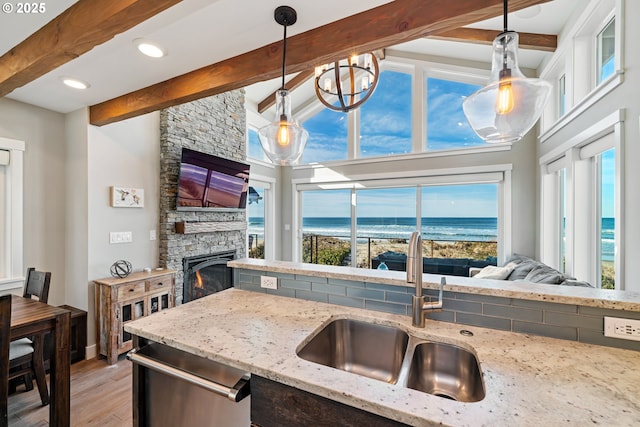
(30, 317)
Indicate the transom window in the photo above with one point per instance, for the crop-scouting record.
(447, 126)
(606, 51)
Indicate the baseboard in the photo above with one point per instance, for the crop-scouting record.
(90, 352)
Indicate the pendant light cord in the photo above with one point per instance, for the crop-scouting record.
(284, 53)
(504, 18)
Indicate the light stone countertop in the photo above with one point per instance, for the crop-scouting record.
(529, 380)
(590, 297)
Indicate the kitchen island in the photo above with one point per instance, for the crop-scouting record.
(528, 379)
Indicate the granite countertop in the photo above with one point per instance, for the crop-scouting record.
(528, 379)
(590, 297)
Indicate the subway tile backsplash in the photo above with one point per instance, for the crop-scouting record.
(564, 321)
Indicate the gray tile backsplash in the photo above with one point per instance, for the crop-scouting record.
(564, 321)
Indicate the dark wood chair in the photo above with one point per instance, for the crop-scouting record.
(25, 355)
(5, 330)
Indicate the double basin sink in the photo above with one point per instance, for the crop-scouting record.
(390, 354)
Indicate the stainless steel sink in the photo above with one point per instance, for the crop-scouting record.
(446, 370)
(368, 349)
(389, 354)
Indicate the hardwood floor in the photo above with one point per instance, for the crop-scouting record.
(100, 396)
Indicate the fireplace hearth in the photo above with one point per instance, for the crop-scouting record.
(206, 274)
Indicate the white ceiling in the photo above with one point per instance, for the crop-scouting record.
(197, 33)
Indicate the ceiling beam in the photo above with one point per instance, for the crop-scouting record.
(295, 82)
(387, 25)
(534, 41)
(75, 31)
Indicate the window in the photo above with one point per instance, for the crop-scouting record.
(386, 217)
(11, 214)
(255, 217)
(562, 96)
(606, 52)
(254, 148)
(605, 164)
(327, 137)
(447, 126)
(326, 227)
(460, 221)
(385, 119)
(562, 173)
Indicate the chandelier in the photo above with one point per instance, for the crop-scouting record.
(351, 81)
(508, 107)
(283, 141)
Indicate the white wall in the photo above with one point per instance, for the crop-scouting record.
(125, 154)
(45, 193)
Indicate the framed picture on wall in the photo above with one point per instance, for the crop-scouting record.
(125, 197)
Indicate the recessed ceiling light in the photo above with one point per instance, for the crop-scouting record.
(530, 12)
(150, 49)
(75, 83)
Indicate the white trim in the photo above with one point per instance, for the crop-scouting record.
(489, 148)
(597, 130)
(615, 80)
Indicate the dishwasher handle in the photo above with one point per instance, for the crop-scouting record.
(236, 393)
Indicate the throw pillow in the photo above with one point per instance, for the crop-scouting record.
(493, 272)
(545, 274)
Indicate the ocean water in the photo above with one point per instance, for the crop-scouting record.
(442, 229)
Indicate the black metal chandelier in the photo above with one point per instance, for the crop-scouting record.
(350, 81)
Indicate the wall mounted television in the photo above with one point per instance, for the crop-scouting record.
(211, 182)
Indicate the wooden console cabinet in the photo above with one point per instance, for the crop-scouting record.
(119, 301)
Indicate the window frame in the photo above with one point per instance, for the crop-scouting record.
(578, 156)
(13, 193)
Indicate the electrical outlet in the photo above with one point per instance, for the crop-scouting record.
(268, 282)
(626, 329)
(152, 234)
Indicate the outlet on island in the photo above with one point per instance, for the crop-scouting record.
(268, 282)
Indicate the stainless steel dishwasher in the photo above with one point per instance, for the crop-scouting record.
(174, 388)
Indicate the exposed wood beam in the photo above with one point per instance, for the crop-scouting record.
(302, 77)
(384, 26)
(75, 31)
(544, 42)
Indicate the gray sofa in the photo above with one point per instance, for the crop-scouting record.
(520, 267)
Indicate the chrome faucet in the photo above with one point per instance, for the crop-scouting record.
(414, 275)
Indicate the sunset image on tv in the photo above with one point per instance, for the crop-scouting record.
(210, 187)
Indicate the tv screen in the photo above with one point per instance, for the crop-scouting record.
(208, 181)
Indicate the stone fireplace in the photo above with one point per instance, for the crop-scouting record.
(206, 274)
(214, 125)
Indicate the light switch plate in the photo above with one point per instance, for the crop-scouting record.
(268, 282)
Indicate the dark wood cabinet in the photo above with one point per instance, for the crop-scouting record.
(275, 404)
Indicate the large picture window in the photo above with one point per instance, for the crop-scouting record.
(327, 137)
(447, 126)
(385, 119)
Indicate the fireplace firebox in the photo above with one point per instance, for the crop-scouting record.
(206, 274)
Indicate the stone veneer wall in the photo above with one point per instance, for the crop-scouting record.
(214, 125)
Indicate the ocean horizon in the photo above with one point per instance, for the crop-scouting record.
(473, 229)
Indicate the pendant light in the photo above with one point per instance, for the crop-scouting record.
(283, 140)
(508, 107)
(351, 81)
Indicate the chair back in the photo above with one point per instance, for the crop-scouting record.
(37, 284)
(5, 330)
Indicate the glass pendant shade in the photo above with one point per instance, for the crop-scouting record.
(283, 141)
(508, 107)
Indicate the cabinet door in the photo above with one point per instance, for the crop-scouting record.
(158, 302)
(128, 310)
